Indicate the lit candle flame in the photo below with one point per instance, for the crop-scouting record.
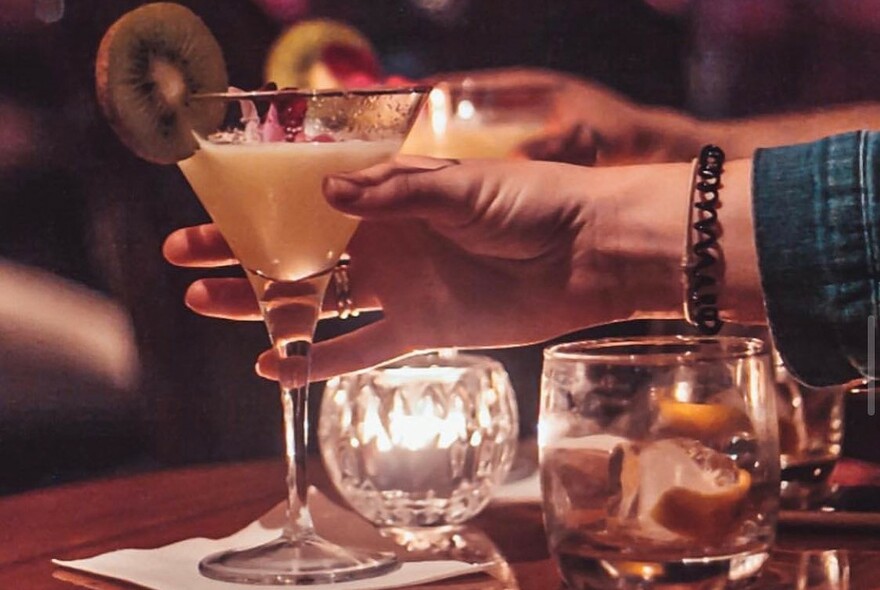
(424, 425)
(439, 108)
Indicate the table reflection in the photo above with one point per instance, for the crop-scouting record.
(461, 543)
(809, 570)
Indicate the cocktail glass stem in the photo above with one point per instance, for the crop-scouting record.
(299, 556)
(294, 400)
(290, 311)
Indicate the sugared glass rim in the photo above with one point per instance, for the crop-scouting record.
(314, 93)
(681, 349)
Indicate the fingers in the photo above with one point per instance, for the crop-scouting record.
(234, 299)
(231, 299)
(199, 246)
(267, 364)
(407, 187)
(576, 145)
(366, 347)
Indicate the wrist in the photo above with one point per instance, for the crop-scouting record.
(734, 136)
(741, 297)
(675, 136)
(638, 228)
(680, 137)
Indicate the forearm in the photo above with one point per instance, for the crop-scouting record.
(799, 243)
(640, 233)
(741, 137)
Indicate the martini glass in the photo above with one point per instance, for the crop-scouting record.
(259, 176)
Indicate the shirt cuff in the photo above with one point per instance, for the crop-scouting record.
(815, 209)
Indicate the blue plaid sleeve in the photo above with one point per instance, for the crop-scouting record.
(817, 227)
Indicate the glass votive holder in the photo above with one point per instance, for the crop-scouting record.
(420, 442)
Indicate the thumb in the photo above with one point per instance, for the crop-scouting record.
(436, 190)
(575, 145)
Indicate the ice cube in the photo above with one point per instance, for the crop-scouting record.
(575, 477)
(650, 470)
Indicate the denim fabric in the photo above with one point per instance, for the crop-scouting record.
(817, 226)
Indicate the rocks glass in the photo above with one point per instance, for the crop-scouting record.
(659, 460)
(810, 439)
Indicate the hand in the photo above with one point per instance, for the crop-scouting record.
(594, 125)
(477, 254)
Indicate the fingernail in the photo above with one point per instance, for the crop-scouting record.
(342, 189)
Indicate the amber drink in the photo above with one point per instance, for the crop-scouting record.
(659, 461)
(811, 423)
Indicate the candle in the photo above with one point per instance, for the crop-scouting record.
(422, 442)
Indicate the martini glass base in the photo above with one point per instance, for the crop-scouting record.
(310, 560)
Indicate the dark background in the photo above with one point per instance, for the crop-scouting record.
(79, 205)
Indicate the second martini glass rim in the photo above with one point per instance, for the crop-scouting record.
(314, 93)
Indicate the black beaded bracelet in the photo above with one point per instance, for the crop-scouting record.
(703, 260)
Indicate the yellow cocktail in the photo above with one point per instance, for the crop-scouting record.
(266, 199)
(260, 180)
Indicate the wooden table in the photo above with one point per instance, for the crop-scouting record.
(150, 510)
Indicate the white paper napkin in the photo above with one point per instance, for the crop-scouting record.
(175, 566)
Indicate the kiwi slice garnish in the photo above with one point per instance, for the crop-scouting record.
(149, 64)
